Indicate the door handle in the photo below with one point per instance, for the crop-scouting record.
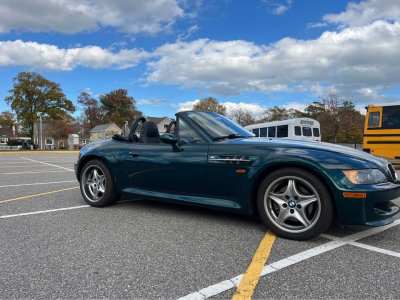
(135, 154)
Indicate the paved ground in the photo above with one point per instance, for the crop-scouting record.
(150, 250)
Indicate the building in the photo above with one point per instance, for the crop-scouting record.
(162, 124)
(84, 140)
(105, 131)
(48, 142)
(8, 133)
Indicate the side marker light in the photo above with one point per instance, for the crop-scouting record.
(355, 195)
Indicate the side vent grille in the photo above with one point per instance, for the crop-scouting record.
(232, 159)
(392, 171)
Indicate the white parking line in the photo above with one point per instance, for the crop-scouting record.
(26, 173)
(47, 164)
(39, 183)
(31, 165)
(376, 249)
(294, 259)
(43, 211)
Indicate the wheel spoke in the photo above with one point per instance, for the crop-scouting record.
(95, 191)
(277, 198)
(95, 175)
(300, 215)
(308, 200)
(284, 214)
(291, 188)
(101, 189)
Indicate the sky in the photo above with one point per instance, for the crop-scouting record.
(169, 54)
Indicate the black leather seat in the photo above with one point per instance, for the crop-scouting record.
(149, 133)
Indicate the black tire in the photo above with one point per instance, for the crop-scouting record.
(286, 216)
(102, 185)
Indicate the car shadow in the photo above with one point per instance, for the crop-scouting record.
(336, 229)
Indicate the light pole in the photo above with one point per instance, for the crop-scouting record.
(41, 132)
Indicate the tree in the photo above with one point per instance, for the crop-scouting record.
(339, 120)
(7, 119)
(119, 107)
(92, 115)
(210, 104)
(277, 113)
(31, 94)
(59, 129)
(242, 115)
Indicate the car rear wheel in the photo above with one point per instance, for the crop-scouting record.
(295, 204)
(97, 185)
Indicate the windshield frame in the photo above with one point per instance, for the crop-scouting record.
(234, 129)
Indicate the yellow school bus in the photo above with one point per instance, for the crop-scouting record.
(382, 130)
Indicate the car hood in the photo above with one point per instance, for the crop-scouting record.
(319, 146)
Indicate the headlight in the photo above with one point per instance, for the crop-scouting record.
(368, 176)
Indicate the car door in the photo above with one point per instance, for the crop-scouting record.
(155, 166)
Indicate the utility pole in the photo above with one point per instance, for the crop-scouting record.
(41, 132)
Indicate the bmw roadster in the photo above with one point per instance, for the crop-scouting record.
(204, 159)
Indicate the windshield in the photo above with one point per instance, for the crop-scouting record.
(217, 126)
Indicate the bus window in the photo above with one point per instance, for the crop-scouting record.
(282, 131)
(307, 131)
(263, 132)
(256, 132)
(297, 130)
(271, 131)
(373, 120)
(316, 132)
(390, 117)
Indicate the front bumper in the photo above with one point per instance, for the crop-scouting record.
(375, 209)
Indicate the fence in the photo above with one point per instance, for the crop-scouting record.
(10, 147)
(358, 146)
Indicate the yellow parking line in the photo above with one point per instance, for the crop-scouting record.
(250, 279)
(52, 192)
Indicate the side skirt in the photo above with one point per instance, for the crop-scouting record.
(217, 203)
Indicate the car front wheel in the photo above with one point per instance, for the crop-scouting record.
(97, 185)
(295, 204)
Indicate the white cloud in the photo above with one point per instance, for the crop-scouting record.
(72, 16)
(352, 60)
(316, 25)
(365, 12)
(277, 8)
(152, 101)
(189, 32)
(86, 90)
(349, 60)
(43, 56)
(184, 106)
(257, 109)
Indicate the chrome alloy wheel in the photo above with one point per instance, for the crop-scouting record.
(94, 183)
(292, 204)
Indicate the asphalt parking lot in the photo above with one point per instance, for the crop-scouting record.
(55, 246)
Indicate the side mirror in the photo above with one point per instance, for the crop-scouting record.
(169, 138)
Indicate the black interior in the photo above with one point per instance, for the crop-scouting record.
(149, 133)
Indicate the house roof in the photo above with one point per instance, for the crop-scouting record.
(156, 119)
(102, 127)
(7, 131)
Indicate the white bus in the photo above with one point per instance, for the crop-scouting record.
(300, 128)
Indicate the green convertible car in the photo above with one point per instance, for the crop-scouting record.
(204, 159)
